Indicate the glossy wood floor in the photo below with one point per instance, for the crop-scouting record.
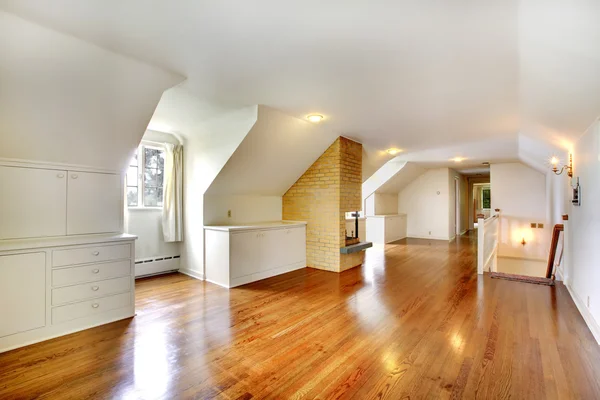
(414, 322)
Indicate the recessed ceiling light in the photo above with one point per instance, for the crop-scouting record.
(393, 151)
(458, 159)
(486, 163)
(315, 118)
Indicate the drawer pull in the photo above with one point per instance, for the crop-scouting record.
(95, 253)
(95, 288)
(95, 271)
(95, 305)
(74, 176)
(60, 175)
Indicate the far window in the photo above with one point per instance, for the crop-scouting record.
(145, 177)
(486, 198)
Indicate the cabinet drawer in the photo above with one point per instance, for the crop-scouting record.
(90, 290)
(85, 255)
(87, 308)
(90, 273)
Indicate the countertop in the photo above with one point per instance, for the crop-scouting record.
(255, 225)
(59, 241)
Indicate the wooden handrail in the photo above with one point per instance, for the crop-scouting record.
(558, 228)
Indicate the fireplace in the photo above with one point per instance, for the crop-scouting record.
(353, 237)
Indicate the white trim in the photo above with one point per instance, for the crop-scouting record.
(14, 162)
(193, 274)
(585, 313)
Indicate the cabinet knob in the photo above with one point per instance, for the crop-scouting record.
(95, 288)
(95, 253)
(95, 271)
(95, 305)
(60, 175)
(74, 176)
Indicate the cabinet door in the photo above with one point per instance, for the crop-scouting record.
(22, 292)
(295, 245)
(246, 251)
(33, 202)
(95, 203)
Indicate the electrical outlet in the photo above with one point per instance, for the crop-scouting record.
(228, 213)
(588, 302)
(541, 226)
(429, 233)
(533, 225)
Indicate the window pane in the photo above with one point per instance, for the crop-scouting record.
(132, 176)
(159, 197)
(133, 161)
(159, 178)
(151, 197)
(151, 157)
(150, 177)
(160, 158)
(132, 196)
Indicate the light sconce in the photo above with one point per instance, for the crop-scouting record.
(569, 168)
(523, 242)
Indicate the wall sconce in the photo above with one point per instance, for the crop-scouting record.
(523, 242)
(555, 161)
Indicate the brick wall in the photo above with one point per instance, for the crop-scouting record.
(329, 188)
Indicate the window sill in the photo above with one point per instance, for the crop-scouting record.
(144, 208)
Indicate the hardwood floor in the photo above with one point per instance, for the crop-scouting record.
(414, 322)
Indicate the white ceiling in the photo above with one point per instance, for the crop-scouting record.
(413, 75)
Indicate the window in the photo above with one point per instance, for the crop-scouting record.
(486, 198)
(145, 177)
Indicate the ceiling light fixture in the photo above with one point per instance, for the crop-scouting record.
(393, 151)
(458, 159)
(316, 118)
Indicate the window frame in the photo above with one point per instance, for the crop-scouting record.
(141, 167)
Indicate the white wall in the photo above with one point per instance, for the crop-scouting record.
(244, 209)
(427, 212)
(206, 150)
(385, 204)
(67, 101)
(520, 193)
(147, 223)
(583, 266)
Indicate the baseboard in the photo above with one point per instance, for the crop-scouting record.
(193, 274)
(585, 313)
(463, 232)
(445, 239)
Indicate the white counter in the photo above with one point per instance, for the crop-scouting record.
(382, 229)
(255, 226)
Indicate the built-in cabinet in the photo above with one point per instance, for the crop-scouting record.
(64, 265)
(382, 229)
(236, 255)
(39, 202)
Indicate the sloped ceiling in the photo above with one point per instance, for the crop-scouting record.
(399, 181)
(64, 100)
(273, 155)
(413, 75)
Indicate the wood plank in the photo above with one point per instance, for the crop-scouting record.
(415, 321)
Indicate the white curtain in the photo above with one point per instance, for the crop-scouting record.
(172, 216)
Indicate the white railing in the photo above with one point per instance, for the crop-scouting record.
(487, 243)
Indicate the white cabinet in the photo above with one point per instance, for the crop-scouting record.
(22, 292)
(33, 202)
(383, 229)
(40, 202)
(84, 286)
(239, 255)
(94, 203)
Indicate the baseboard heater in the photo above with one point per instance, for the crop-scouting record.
(156, 266)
